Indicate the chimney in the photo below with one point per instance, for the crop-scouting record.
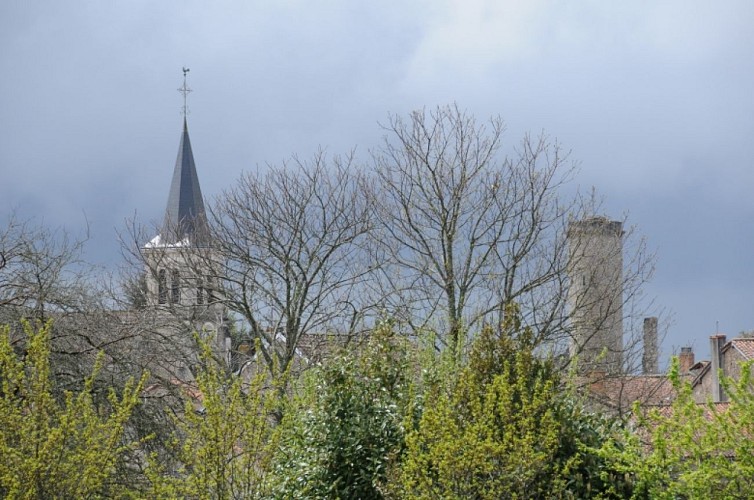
(716, 343)
(686, 360)
(649, 359)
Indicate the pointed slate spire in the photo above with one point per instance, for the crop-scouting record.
(185, 218)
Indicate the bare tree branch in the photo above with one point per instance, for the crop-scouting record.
(291, 245)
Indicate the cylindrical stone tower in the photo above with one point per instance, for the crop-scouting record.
(595, 294)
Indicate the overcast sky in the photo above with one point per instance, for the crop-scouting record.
(655, 100)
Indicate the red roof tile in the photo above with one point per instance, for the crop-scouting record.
(667, 410)
(745, 347)
(622, 391)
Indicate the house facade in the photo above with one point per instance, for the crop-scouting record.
(727, 356)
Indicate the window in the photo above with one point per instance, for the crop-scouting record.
(175, 288)
(162, 286)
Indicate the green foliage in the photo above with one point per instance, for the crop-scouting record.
(691, 450)
(344, 431)
(498, 426)
(57, 449)
(225, 437)
(585, 473)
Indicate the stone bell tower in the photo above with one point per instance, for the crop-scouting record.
(182, 267)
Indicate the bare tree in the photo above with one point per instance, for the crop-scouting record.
(41, 270)
(45, 278)
(464, 229)
(281, 260)
(291, 246)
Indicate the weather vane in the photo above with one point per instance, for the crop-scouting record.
(185, 91)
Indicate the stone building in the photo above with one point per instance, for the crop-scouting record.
(726, 359)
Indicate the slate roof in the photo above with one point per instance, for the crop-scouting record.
(185, 218)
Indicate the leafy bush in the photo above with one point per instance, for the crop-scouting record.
(344, 432)
(501, 426)
(51, 448)
(690, 450)
(226, 436)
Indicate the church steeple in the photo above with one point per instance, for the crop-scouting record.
(185, 218)
(182, 279)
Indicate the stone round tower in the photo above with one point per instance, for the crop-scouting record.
(595, 294)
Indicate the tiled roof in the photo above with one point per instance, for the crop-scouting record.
(622, 391)
(709, 408)
(745, 346)
(175, 391)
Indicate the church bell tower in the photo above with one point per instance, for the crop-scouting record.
(182, 268)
